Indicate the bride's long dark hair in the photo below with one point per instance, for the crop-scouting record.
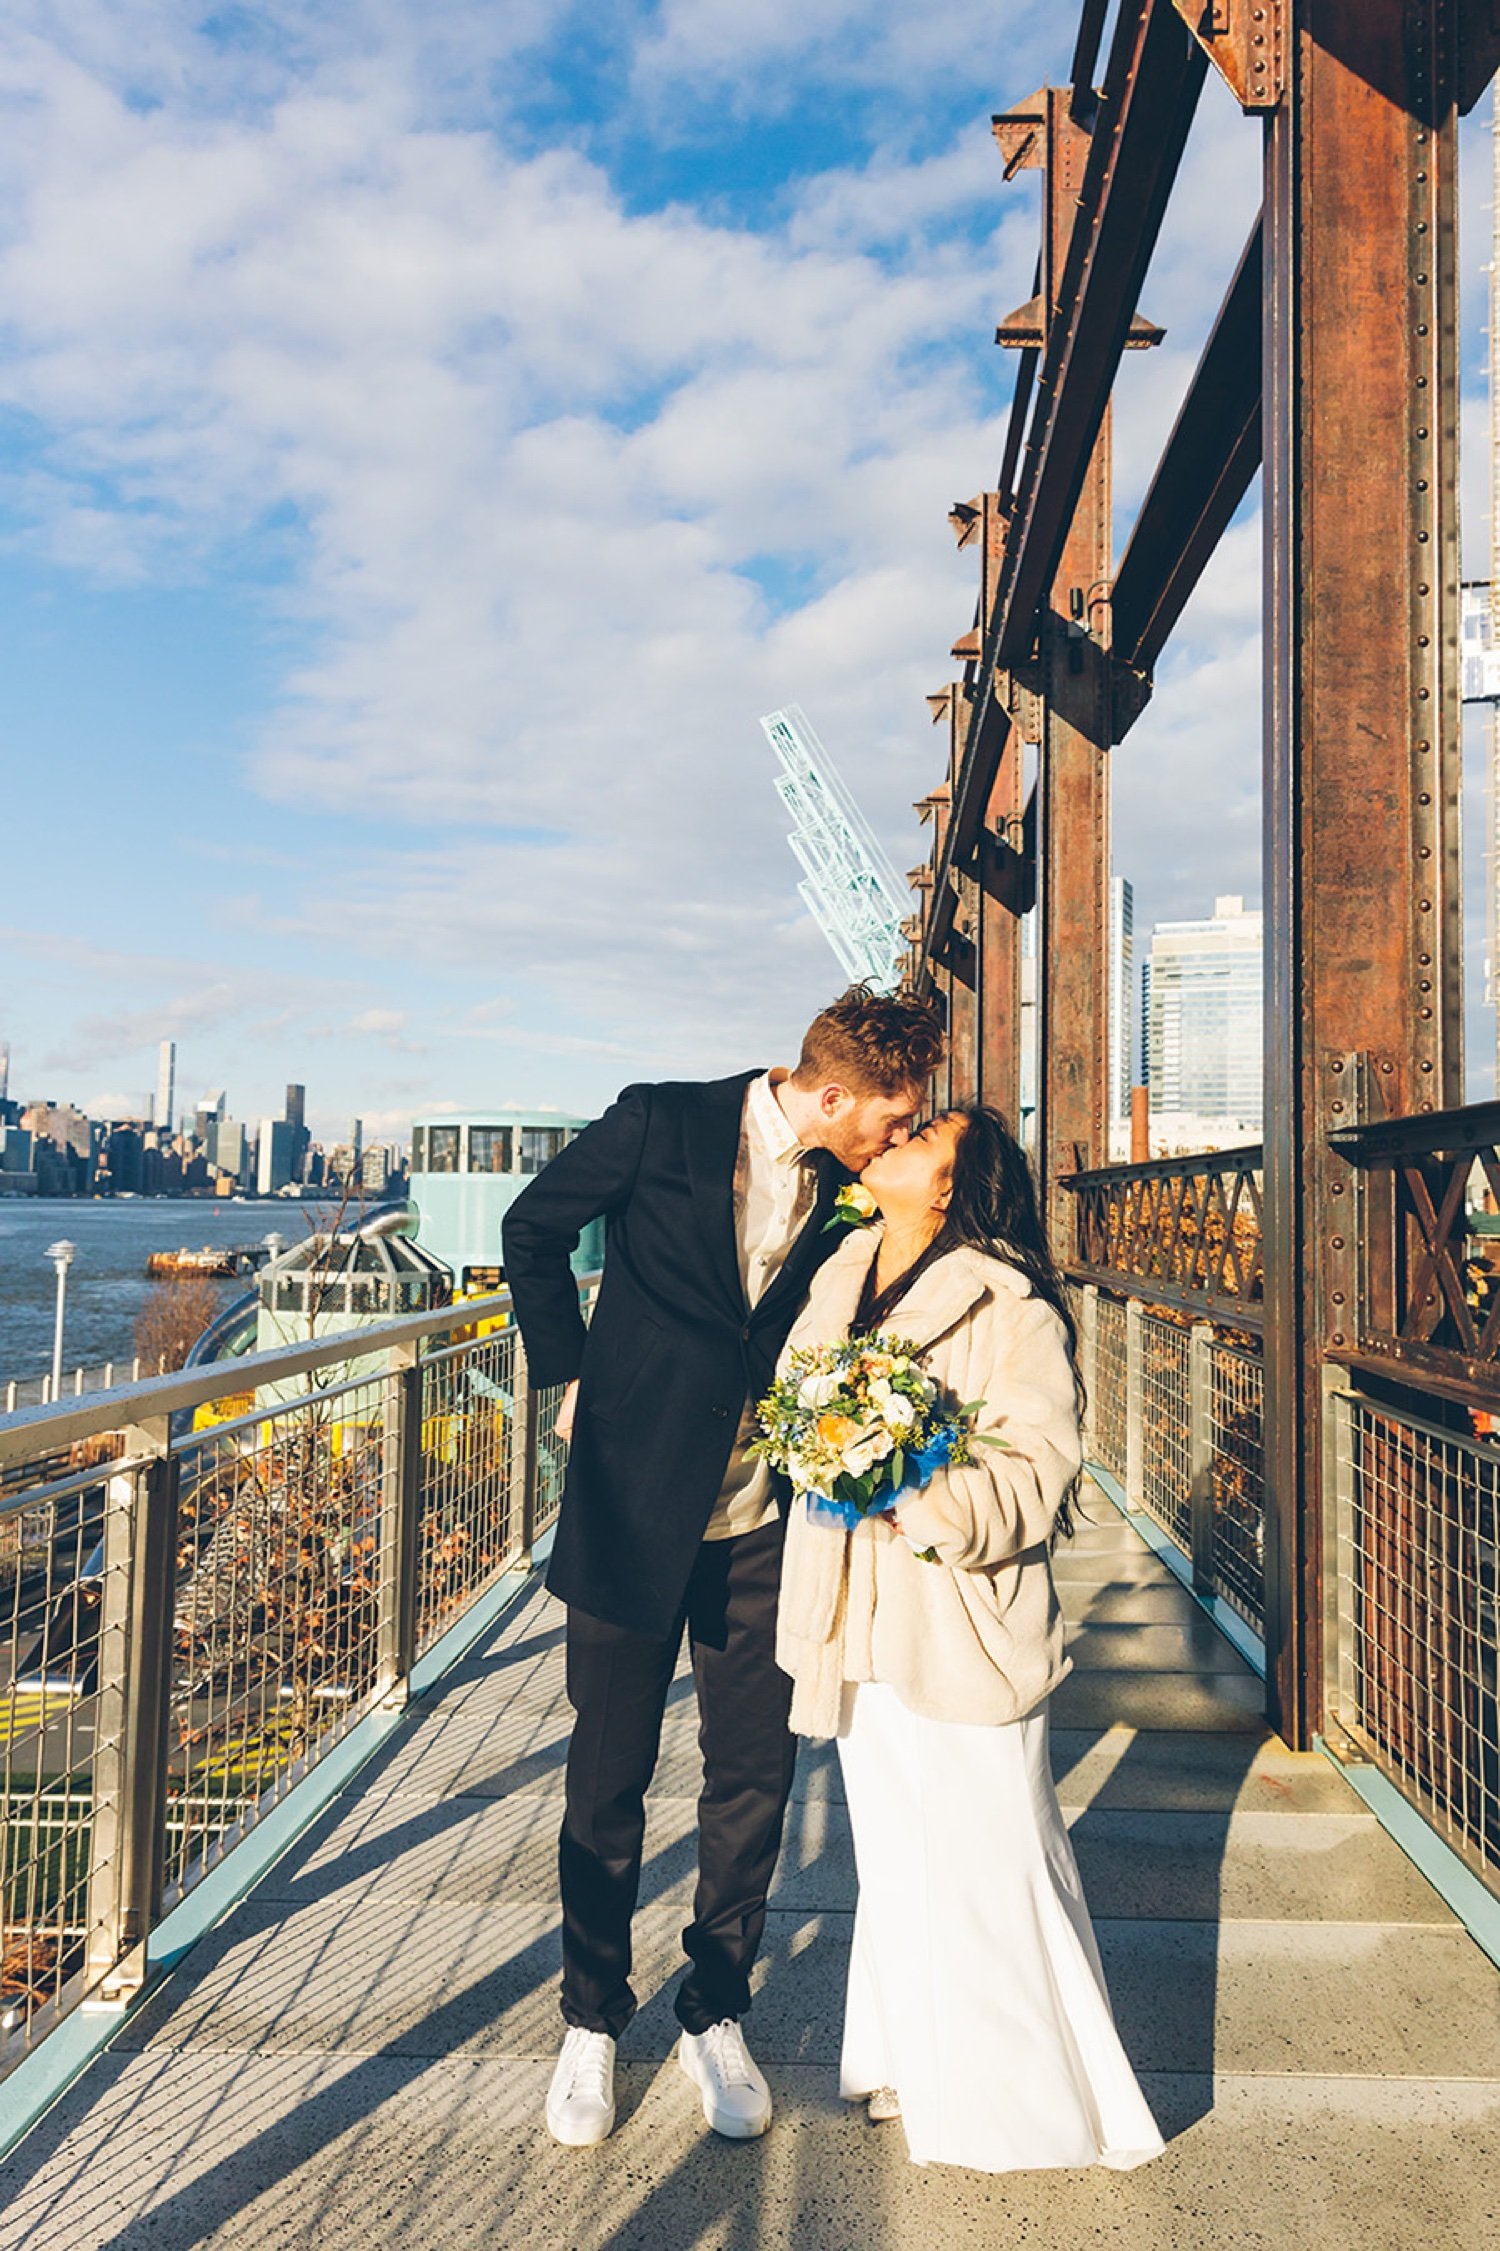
(993, 1208)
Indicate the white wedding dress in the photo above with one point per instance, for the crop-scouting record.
(975, 1988)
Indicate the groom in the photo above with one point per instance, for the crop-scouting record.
(716, 1198)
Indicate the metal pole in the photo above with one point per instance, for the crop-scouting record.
(128, 1832)
(1201, 1453)
(525, 1451)
(400, 1544)
(1135, 1484)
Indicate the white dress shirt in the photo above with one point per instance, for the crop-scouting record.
(773, 1197)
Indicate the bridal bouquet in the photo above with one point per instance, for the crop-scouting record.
(857, 1423)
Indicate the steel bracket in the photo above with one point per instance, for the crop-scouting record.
(1243, 39)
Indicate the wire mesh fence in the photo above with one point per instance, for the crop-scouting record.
(1166, 1442)
(1417, 1645)
(1238, 1529)
(53, 1585)
(185, 1630)
(1108, 1385)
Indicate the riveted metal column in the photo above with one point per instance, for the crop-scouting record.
(1362, 739)
(1073, 856)
(127, 1844)
(400, 1538)
(1073, 783)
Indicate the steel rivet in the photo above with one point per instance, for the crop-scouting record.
(1338, 1336)
(1424, 746)
(1387, 1068)
(1421, 382)
(1421, 330)
(1421, 484)
(1338, 1295)
(1424, 589)
(1424, 984)
(1338, 1244)
(1422, 641)
(1424, 852)
(1426, 962)
(1337, 1188)
(1423, 694)
(1338, 1109)
(1422, 538)
(1427, 1066)
(1424, 906)
(1424, 1012)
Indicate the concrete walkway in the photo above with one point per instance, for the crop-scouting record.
(357, 2056)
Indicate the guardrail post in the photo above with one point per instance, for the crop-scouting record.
(1088, 1357)
(525, 1450)
(400, 1543)
(1135, 1483)
(1201, 1453)
(136, 1632)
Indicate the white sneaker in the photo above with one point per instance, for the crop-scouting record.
(736, 2099)
(581, 2098)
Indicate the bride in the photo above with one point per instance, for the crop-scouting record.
(928, 1641)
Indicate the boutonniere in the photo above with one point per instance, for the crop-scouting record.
(853, 1206)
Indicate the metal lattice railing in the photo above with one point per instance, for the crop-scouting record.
(1238, 1531)
(1175, 1414)
(1416, 1665)
(1106, 1380)
(1166, 1441)
(210, 1578)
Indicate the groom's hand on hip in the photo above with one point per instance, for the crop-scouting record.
(563, 1427)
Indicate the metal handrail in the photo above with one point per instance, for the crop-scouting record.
(34, 1431)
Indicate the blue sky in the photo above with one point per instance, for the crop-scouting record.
(431, 436)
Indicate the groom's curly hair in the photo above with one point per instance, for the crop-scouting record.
(872, 1043)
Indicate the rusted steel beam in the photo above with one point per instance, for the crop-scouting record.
(1073, 857)
(1244, 40)
(1086, 53)
(1089, 293)
(1146, 107)
(1204, 474)
(1362, 715)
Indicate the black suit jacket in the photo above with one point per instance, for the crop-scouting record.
(674, 1350)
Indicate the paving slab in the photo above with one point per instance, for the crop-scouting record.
(1197, 1771)
(1226, 1703)
(407, 1846)
(1258, 1867)
(1143, 1602)
(250, 2152)
(1196, 1646)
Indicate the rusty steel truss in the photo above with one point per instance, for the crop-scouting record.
(1332, 366)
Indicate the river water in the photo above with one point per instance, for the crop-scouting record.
(107, 1281)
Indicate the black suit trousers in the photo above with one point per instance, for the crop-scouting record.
(617, 1684)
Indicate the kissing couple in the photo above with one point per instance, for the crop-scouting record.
(925, 1638)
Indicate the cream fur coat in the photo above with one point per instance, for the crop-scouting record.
(977, 1636)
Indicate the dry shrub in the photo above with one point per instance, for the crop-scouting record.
(172, 1319)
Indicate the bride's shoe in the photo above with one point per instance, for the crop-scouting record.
(882, 2105)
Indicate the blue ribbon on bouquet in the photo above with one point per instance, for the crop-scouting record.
(917, 1471)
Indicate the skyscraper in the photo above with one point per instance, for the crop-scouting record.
(166, 1085)
(296, 1107)
(1121, 998)
(1205, 1017)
